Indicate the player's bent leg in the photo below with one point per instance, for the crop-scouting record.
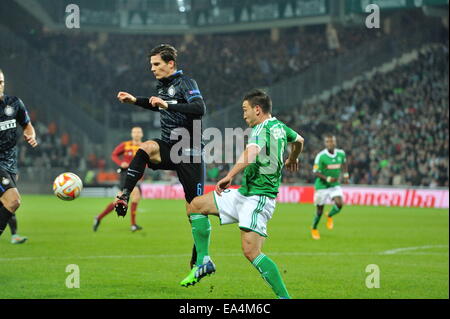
(152, 150)
(10, 202)
(251, 246)
(11, 199)
(204, 204)
(149, 152)
(338, 204)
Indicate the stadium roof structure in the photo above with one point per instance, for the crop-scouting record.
(208, 16)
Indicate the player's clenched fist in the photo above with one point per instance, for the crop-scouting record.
(158, 102)
(125, 97)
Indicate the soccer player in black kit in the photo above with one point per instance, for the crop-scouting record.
(12, 112)
(180, 103)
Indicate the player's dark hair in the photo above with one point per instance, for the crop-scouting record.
(259, 97)
(329, 135)
(166, 51)
(1, 71)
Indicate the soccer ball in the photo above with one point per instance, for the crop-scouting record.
(67, 186)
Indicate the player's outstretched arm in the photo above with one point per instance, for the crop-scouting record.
(141, 101)
(246, 158)
(30, 135)
(296, 149)
(125, 97)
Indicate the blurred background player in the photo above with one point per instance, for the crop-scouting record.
(328, 165)
(180, 104)
(12, 112)
(122, 156)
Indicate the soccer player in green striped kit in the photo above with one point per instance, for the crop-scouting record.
(328, 165)
(252, 205)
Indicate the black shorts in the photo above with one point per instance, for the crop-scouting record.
(7, 181)
(122, 177)
(191, 175)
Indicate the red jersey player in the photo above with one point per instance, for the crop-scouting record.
(122, 155)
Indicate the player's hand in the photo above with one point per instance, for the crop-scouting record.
(223, 184)
(125, 97)
(331, 180)
(30, 140)
(158, 102)
(124, 165)
(292, 165)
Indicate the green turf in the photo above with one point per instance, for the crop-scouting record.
(115, 263)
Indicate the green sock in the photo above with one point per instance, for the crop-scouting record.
(269, 271)
(316, 220)
(201, 231)
(334, 211)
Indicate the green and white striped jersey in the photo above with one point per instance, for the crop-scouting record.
(329, 165)
(263, 177)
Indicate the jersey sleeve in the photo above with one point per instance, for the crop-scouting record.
(317, 168)
(344, 157)
(117, 152)
(22, 114)
(190, 90)
(291, 135)
(258, 137)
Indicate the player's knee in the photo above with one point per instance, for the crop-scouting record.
(250, 252)
(135, 198)
(195, 206)
(150, 147)
(13, 204)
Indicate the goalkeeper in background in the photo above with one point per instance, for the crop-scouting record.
(328, 165)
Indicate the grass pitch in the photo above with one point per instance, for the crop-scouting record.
(410, 247)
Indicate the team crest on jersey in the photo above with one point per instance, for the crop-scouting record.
(278, 133)
(9, 110)
(171, 91)
(5, 181)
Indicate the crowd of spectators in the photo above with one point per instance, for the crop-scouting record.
(224, 65)
(56, 149)
(393, 127)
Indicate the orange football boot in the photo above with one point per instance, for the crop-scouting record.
(315, 234)
(330, 223)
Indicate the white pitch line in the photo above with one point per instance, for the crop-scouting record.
(387, 252)
(399, 250)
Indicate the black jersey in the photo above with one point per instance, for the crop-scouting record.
(185, 106)
(12, 112)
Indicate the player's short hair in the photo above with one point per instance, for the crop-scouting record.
(1, 71)
(136, 126)
(166, 51)
(259, 97)
(329, 135)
